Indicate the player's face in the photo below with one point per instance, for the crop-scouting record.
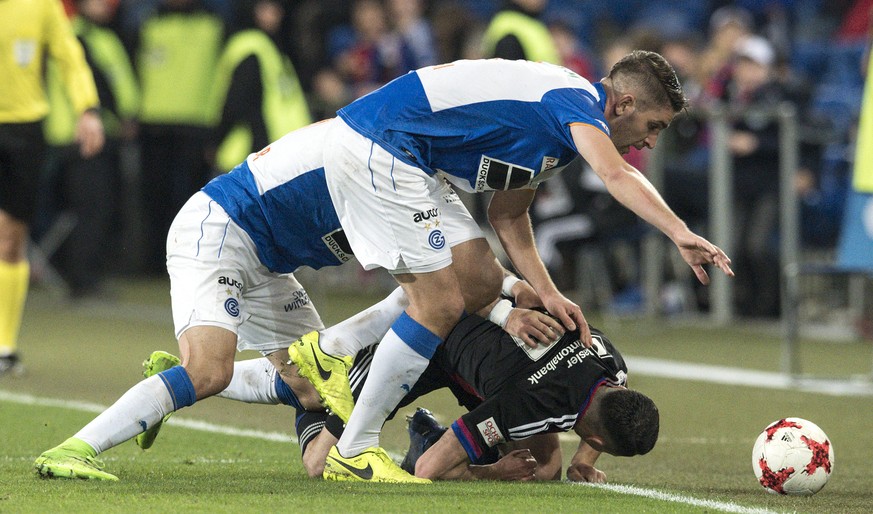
(639, 128)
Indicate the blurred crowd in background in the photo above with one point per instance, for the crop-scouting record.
(183, 100)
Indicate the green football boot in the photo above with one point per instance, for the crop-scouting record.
(328, 374)
(158, 361)
(371, 465)
(73, 458)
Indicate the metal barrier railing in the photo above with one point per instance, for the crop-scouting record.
(720, 194)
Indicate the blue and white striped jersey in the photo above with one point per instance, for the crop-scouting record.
(487, 124)
(279, 197)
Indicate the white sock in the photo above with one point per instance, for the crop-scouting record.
(395, 369)
(365, 328)
(140, 407)
(253, 381)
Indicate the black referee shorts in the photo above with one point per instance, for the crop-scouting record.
(22, 151)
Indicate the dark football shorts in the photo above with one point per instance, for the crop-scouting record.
(22, 152)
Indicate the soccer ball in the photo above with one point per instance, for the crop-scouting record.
(793, 456)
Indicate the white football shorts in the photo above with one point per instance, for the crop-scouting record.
(217, 280)
(395, 215)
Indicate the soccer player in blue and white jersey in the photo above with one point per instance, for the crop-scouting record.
(231, 252)
(489, 125)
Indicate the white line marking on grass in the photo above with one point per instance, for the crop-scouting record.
(678, 498)
(203, 426)
(193, 424)
(746, 377)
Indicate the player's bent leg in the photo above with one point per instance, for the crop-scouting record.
(207, 355)
(157, 362)
(479, 274)
(371, 465)
(327, 373)
(73, 458)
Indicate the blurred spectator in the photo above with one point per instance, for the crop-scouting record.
(686, 170)
(88, 187)
(516, 32)
(366, 54)
(573, 55)
(414, 31)
(31, 30)
(456, 31)
(727, 26)
(256, 89)
(754, 144)
(176, 78)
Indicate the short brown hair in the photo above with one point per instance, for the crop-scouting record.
(651, 75)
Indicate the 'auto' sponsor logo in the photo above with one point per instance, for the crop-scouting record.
(490, 432)
(227, 281)
(426, 215)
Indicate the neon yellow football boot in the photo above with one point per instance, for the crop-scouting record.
(158, 361)
(371, 465)
(73, 458)
(328, 374)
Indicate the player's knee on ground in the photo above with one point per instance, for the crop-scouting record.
(424, 468)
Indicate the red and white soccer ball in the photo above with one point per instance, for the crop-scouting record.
(793, 456)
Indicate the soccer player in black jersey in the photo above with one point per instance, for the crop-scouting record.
(518, 397)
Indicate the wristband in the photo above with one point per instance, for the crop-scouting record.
(509, 282)
(500, 313)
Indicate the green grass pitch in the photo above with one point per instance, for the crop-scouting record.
(81, 355)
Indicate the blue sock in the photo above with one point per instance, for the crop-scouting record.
(285, 394)
(416, 336)
(179, 385)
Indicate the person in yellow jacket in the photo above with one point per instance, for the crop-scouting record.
(88, 188)
(516, 32)
(175, 60)
(862, 176)
(29, 29)
(257, 92)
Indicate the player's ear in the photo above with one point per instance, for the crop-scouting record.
(625, 105)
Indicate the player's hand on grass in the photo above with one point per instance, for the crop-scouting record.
(697, 251)
(569, 314)
(533, 327)
(580, 472)
(517, 465)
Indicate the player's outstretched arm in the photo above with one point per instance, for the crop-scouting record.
(634, 191)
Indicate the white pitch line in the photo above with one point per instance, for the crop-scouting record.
(193, 424)
(203, 426)
(678, 498)
(746, 377)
